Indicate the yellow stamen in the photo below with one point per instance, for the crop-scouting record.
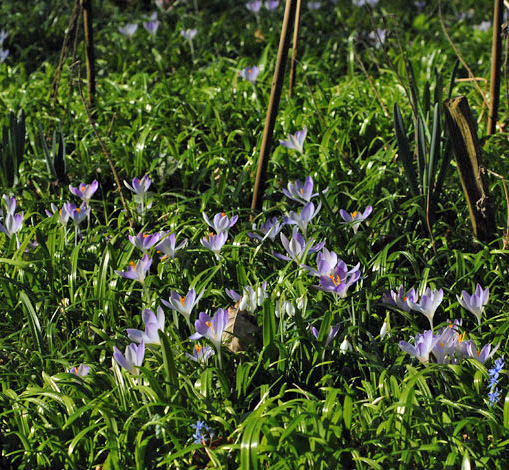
(182, 300)
(209, 324)
(353, 214)
(163, 257)
(83, 187)
(78, 210)
(441, 344)
(76, 370)
(60, 211)
(145, 235)
(404, 298)
(133, 265)
(223, 214)
(336, 280)
(461, 337)
(302, 191)
(249, 70)
(197, 348)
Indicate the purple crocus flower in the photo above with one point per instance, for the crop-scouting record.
(152, 25)
(137, 271)
(355, 218)
(152, 324)
(128, 30)
(295, 141)
(188, 34)
(139, 187)
(254, 6)
(10, 204)
(297, 246)
(301, 192)
(4, 53)
(80, 371)
(3, 36)
(271, 5)
(185, 304)
(326, 262)
(85, 191)
(214, 242)
(63, 215)
(330, 337)
(483, 26)
(484, 354)
(77, 214)
(340, 280)
(221, 222)
(424, 344)
(144, 241)
(475, 303)
(211, 328)
(448, 340)
(167, 245)
(303, 218)
(378, 37)
(400, 298)
(428, 304)
(250, 73)
(201, 353)
(12, 223)
(270, 228)
(361, 3)
(314, 5)
(133, 358)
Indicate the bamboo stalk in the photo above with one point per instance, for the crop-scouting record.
(496, 62)
(294, 47)
(89, 49)
(275, 96)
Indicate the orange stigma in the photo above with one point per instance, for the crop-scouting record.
(182, 300)
(133, 265)
(353, 214)
(335, 279)
(209, 324)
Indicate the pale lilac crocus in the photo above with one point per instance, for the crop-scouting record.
(314, 5)
(484, 354)
(423, 345)
(301, 192)
(144, 241)
(254, 6)
(214, 242)
(475, 303)
(250, 73)
(133, 357)
(211, 328)
(330, 337)
(221, 222)
(137, 271)
(77, 214)
(12, 223)
(79, 371)
(10, 204)
(4, 53)
(400, 298)
(85, 191)
(297, 246)
(340, 280)
(152, 324)
(139, 187)
(167, 245)
(295, 141)
(271, 5)
(483, 26)
(361, 3)
(152, 25)
(63, 215)
(447, 345)
(326, 261)
(355, 218)
(189, 34)
(428, 304)
(270, 229)
(184, 304)
(3, 36)
(128, 30)
(302, 219)
(201, 353)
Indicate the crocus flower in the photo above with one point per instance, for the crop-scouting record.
(133, 358)
(201, 353)
(221, 222)
(152, 324)
(80, 371)
(77, 214)
(211, 328)
(483, 26)
(314, 5)
(424, 343)
(139, 187)
(378, 37)
(484, 354)
(340, 280)
(355, 217)
(448, 340)
(167, 245)
(12, 223)
(10, 204)
(3, 36)
(214, 242)
(152, 25)
(63, 215)
(128, 30)
(400, 298)
(250, 73)
(137, 271)
(254, 6)
(326, 261)
(185, 304)
(188, 34)
(200, 431)
(271, 5)
(270, 229)
(330, 337)
(303, 218)
(85, 191)
(4, 53)
(301, 192)
(295, 141)
(475, 303)
(297, 246)
(360, 3)
(428, 304)
(144, 241)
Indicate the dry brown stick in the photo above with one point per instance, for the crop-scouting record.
(89, 49)
(275, 95)
(103, 147)
(496, 59)
(458, 55)
(295, 46)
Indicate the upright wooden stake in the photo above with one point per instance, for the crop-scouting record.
(89, 47)
(294, 47)
(496, 62)
(275, 95)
